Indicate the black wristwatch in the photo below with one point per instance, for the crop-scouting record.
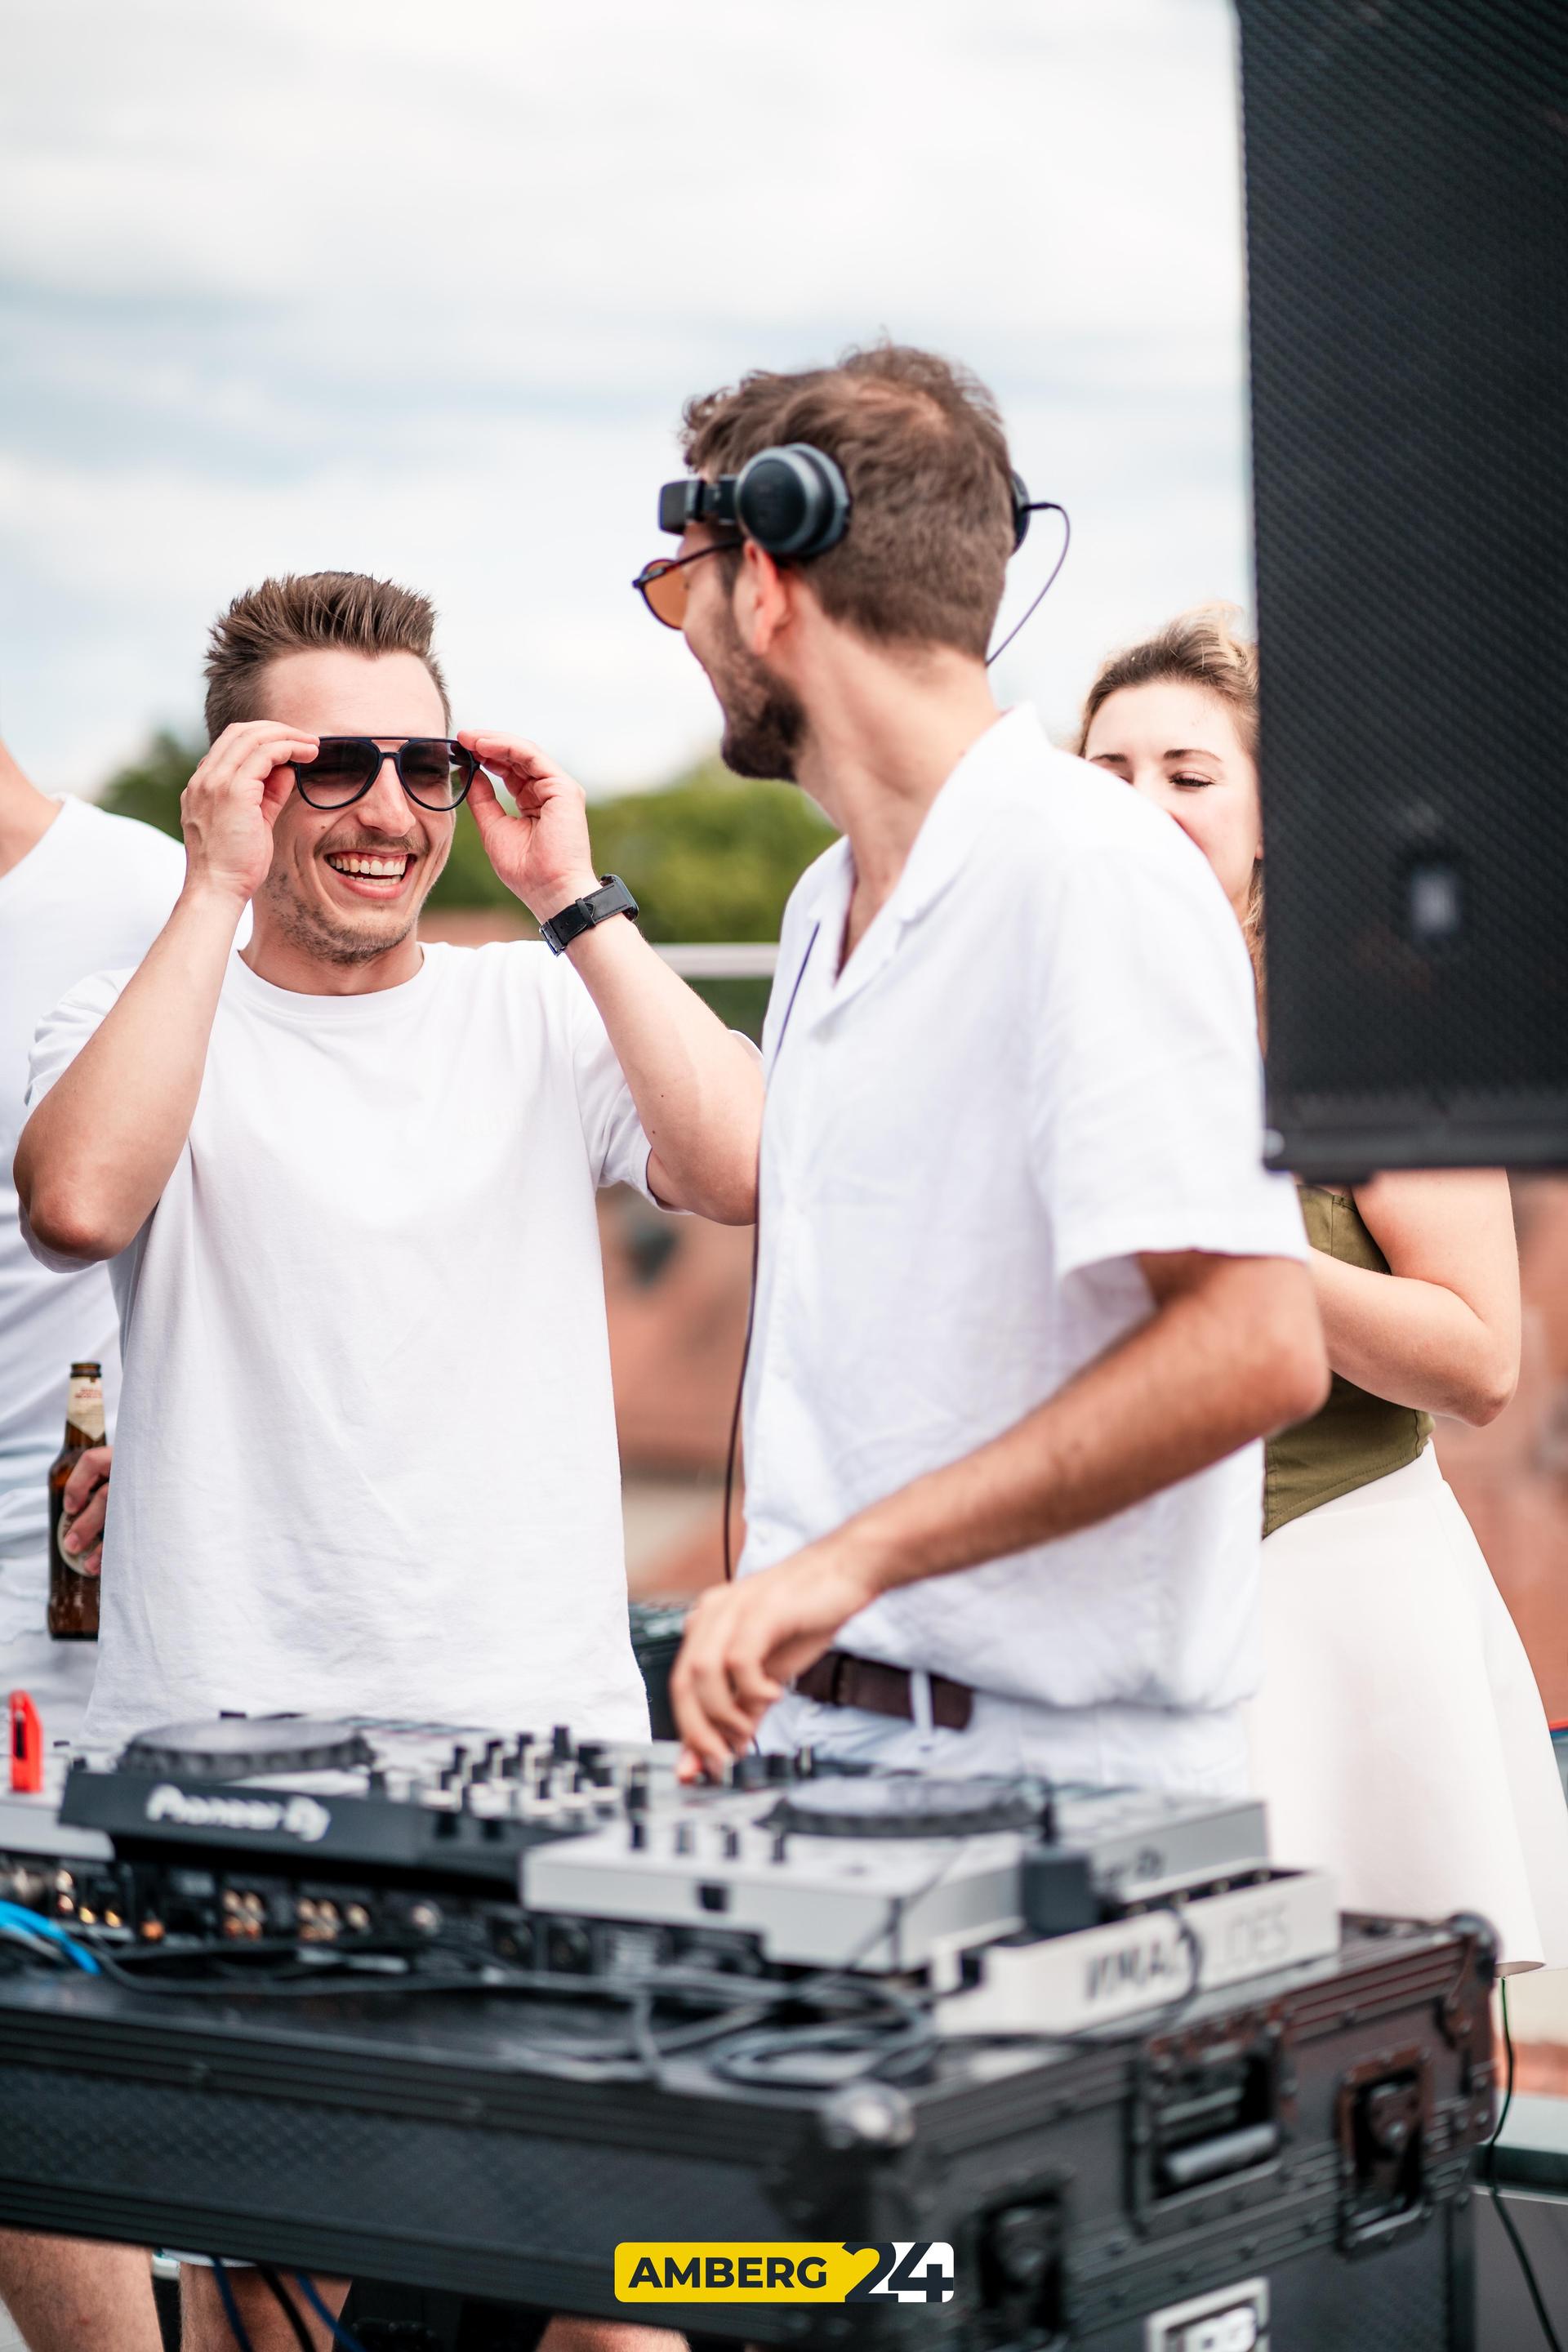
(581, 915)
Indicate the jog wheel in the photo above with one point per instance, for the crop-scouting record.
(241, 1747)
(910, 1807)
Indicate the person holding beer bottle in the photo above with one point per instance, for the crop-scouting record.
(79, 889)
(73, 1569)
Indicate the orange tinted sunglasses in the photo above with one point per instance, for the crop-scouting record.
(662, 584)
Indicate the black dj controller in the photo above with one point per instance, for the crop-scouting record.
(425, 1802)
(587, 1856)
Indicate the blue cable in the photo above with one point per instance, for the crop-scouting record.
(231, 2308)
(23, 1922)
(344, 2335)
(31, 1943)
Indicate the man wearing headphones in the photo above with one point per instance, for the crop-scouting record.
(1026, 1296)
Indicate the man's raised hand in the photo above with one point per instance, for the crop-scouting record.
(229, 807)
(542, 854)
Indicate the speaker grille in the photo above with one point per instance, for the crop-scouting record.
(1407, 232)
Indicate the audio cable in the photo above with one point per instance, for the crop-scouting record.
(231, 2308)
(45, 1937)
(1511, 2228)
(287, 2305)
(340, 2334)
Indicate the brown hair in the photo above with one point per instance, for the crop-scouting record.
(300, 612)
(1203, 647)
(920, 446)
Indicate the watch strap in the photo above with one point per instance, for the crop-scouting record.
(581, 915)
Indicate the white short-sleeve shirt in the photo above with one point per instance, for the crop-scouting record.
(1040, 1061)
(366, 1459)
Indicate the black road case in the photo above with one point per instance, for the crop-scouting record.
(1283, 2164)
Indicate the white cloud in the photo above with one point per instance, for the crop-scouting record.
(421, 290)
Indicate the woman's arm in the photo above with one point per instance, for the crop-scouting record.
(1441, 1330)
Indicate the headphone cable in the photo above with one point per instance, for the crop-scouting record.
(1039, 505)
(734, 1445)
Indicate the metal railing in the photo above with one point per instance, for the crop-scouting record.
(721, 959)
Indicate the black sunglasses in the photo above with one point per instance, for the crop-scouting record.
(661, 584)
(432, 769)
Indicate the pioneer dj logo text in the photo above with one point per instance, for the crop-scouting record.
(902, 2271)
(295, 1817)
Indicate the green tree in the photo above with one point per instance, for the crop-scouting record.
(149, 787)
(709, 857)
(712, 858)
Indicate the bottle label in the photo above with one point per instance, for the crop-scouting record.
(84, 1408)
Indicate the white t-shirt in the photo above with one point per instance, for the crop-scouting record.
(1040, 1061)
(95, 890)
(367, 1454)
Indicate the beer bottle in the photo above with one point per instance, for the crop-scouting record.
(73, 1597)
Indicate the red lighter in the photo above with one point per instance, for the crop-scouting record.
(27, 1745)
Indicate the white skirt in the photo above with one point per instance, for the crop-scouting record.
(1399, 1738)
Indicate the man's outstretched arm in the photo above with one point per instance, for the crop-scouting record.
(96, 1152)
(1232, 1351)
(697, 1087)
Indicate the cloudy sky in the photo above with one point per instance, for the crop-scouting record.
(419, 288)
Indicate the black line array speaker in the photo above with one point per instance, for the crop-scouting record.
(1407, 248)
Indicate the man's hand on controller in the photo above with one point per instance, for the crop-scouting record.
(542, 854)
(744, 1641)
(83, 1506)
(229, 807)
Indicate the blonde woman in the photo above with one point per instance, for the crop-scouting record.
(1399, 1738)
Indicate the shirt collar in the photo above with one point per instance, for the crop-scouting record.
(949, 831)
(959, 815)
(299, 1009)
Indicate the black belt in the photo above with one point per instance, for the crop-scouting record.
(839, 1680)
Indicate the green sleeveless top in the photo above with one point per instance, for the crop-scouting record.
(1355, 1438)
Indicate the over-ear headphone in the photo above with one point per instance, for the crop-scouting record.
(793, 501)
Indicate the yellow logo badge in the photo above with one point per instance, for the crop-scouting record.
(904, 2270)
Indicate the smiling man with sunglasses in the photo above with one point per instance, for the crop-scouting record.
(346, 1183)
